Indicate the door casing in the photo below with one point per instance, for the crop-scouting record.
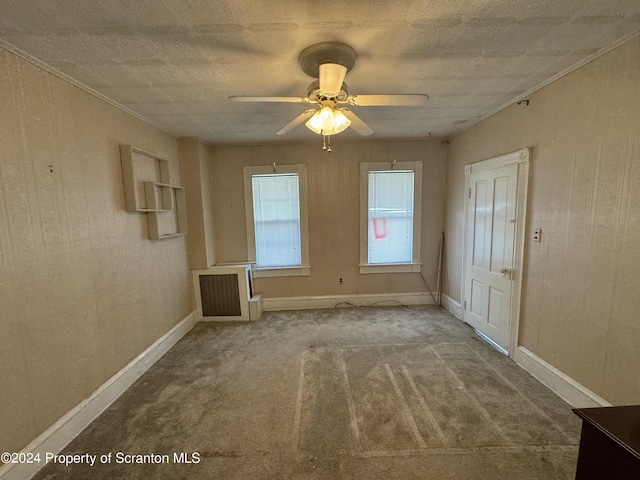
(521, 158)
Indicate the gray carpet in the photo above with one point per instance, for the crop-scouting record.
(353, 393)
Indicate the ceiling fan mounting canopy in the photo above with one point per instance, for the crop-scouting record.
(312, 57)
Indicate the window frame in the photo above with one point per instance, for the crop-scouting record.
(415, 264)
(289, 271)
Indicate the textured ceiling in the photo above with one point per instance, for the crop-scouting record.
(175, 62)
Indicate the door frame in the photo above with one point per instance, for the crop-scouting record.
(521, 158)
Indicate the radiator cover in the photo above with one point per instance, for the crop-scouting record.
(225, 292)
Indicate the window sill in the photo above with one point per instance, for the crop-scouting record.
(390, 268)
(302, 271)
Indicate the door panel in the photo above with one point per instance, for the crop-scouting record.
(500, 224)
(491, 210)
(495, 308)
(480, 224)
(476, 298)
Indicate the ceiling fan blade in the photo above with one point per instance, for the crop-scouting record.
(331, 77)
(296, 121)
(356, 123)
(270, 99)
(409, 100)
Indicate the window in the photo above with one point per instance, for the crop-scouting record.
(390, 199)
(276, 210)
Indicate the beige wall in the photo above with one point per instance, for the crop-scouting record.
(334, 202)
(580, 301)
(82, 289)
(196, 162)
(206, 164)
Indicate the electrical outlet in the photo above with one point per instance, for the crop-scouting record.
(537, 234)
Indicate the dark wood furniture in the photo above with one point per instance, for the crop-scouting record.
(609, 443)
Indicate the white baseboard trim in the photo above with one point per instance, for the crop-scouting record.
(564, 386)
(453, 307)
(363, 300)
(61, 433)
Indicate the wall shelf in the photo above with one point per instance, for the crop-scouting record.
(148, 189)
(158, 197)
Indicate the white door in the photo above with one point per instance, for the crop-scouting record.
(490, 233)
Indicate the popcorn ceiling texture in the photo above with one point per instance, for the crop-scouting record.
(175, 62)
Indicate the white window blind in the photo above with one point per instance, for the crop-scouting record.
(276, 213)
(390, 216)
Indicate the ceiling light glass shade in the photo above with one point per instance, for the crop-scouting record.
(328, 121)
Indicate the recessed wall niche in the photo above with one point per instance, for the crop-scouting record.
(148, 189)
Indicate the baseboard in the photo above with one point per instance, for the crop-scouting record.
(453, 307)
(61, 433)
(330, 301)
(564, 386)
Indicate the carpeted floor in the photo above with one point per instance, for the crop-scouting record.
(348, 393)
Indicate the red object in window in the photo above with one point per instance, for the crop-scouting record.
(379, 228)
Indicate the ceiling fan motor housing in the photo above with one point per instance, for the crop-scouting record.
(312, 57)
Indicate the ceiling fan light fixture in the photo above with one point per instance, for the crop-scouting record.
(328, 121)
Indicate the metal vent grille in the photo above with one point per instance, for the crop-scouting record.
(220, 295)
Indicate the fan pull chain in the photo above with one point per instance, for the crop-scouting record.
(326, 143)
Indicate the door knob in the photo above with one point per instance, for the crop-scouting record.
(506, 272)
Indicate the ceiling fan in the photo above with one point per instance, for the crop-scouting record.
(330, 113)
